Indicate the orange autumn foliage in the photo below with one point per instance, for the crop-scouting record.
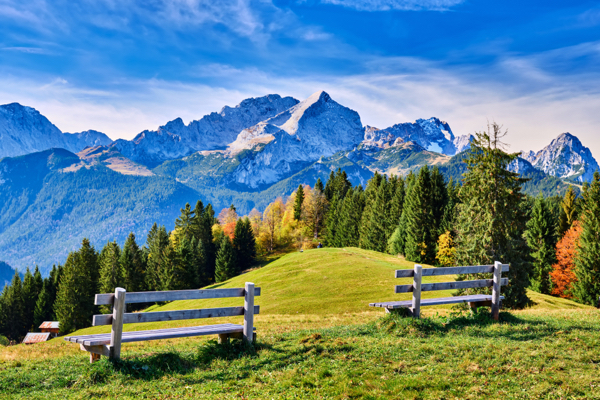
(563, 274)
(229, 229)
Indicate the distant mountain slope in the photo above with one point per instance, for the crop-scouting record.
(565, 157)
(214, 131)
(46, 216)
(24, 130)
(6, 274)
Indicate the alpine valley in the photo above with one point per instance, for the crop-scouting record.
(57, 188)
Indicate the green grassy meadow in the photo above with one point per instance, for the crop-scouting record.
(317, 338)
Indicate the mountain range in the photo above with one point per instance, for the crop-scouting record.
(56, 188)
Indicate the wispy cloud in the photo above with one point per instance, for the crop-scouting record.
(402, 5)
(28, 50)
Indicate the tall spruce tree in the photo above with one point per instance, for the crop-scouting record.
(244, 244)
(419, 225)
(157, 243)
(298, 203)
(397, 241)
(43, 306)
(397, 190)
(30, 296)
(541, 238)
(491, 217)
(74, 306)
(377, 228)
(350, 215)
(439, 199)
(370, 198)
(586, 289)
(568, 211)
(13, 310)
(184, 223)
(226, 266)
(319, 185)
(111, 273)
(132, 265)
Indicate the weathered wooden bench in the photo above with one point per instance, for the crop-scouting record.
(109, 344)
(414, 306)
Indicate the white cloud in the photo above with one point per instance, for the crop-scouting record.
(402, 5)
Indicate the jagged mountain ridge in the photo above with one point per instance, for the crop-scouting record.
(214, 131)
(565, 157)
(25, 130)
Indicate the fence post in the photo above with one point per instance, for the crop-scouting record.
(416, 300)
(496, 290)
(116, 332)
(249, 313)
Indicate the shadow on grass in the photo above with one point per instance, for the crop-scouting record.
(478, 324)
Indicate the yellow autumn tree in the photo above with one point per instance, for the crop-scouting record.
(446, 255)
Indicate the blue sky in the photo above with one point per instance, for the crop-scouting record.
(121, 66)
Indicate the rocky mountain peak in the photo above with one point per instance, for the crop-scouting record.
(565, 157)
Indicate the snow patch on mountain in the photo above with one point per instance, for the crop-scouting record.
(565, 157)
(462, 143)
(520, 166)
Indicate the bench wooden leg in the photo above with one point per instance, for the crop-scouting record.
(223, 338)
(94, 357)
(476, 304)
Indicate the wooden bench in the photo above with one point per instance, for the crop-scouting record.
(473, 300)
(109, 344)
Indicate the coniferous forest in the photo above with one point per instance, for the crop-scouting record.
(552, 244)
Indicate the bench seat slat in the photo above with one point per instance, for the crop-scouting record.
(139, 336)
(475, 298)
(477, 269)
(427, 287)
(173, 295)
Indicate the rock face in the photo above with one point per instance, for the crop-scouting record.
(317, 127)
(431, 134)
(214, 131)
(565, 157)
(520, 166)
(24, 130)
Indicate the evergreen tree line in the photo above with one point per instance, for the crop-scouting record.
(189, 257)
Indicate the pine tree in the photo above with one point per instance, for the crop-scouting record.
(225, 267)
(586, 289)
(319, 185)
(111, 273)
(183, 274)
(30, 296)
(491, 217)
(244, 244)
(184, 224)
(13, 324)
(396, 204)
(43, 306)
(541, 239)
(74, 306)
(568, 211)
(350, 216)
(376, 232)
(332, 222)
(203, 223)
(449, 218)
(439, 199)
(132, 266)
(157, 243)
(419, 223)
(298, 203)
(370, 198)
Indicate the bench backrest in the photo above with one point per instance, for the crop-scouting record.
(172, 295)
(478, 283)
(417, 287)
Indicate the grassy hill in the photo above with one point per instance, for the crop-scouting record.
(317, 338)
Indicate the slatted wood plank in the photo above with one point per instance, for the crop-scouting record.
(427, 287)
(132, 318)
(173, 295)
(477, 269)
(437, 301)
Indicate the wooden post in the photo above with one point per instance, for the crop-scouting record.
(496, 290)
(117, 324)
(416, 300)
(249, 313)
